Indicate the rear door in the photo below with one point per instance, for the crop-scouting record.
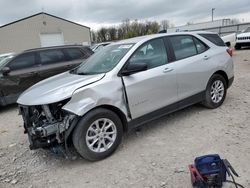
(75, 56)
(154, 88)
(191, 64)
(23, 74)
(52, 62)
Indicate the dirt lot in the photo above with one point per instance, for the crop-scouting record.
(155, 156)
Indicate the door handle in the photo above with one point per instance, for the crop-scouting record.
(167, 70)
(206, 57)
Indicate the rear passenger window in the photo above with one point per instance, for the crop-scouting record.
(200, 46)
(23, 61)
(153, 53)
(74, 53)
(214, 38)
(183, 46)
(51, 56)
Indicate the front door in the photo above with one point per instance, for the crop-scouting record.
(23, 74)
(154, 88)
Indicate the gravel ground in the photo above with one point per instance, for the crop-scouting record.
(155, 156)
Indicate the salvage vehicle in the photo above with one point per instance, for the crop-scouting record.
(243, 39)
(19, 72)
(125, 85)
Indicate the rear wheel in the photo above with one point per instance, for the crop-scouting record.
(98, 134)
(215, 92)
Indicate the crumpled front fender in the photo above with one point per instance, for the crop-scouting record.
(104, 92)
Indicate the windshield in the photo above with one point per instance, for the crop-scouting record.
(247, 30)
(5, 60)
(104, 60)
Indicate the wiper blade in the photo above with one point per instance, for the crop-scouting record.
(81, 73)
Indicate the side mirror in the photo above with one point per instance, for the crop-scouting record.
(5, 71)
(132, 68)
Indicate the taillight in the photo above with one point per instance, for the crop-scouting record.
(230, 51)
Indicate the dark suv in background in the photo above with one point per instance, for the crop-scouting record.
(31, 66)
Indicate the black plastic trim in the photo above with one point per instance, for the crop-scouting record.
(230, 82)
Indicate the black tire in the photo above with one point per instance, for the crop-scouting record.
(237, 47)
(80, 133)
(208, 102)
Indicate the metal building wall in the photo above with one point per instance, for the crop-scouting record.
(25, 34)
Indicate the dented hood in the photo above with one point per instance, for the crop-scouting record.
(56, 88)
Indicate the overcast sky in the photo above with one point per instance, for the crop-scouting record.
(110, 12)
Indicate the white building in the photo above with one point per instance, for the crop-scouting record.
(41, 30)
(198, 26)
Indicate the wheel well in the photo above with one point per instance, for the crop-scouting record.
(222, 73)
(120, 114)
(114, 109)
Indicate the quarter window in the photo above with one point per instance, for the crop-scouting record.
(214, 38)
(51, 56)
(153, 53)
(23, 61)
(183, 46)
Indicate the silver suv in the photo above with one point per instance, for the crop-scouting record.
(122, 86)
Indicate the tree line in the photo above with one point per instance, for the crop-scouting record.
(128, 29)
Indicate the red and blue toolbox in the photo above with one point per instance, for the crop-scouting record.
(211, 171)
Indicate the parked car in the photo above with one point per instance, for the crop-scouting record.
(99, 46)
(126, 84)
(19, 72)
(229, 40)
(243, 39)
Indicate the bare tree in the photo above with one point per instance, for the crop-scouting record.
(165, 24)
(189, 23)
(102, 34)
(93, 36)
(111, 31)
(127, 29)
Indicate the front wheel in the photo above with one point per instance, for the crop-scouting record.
(215, 92)
(98, 134)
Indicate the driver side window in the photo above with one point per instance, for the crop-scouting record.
(153, 53)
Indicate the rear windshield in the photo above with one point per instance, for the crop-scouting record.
(214, 38)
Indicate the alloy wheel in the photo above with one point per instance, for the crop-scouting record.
(101, 135)
(217, 91)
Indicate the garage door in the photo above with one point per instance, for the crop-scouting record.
(55, 39)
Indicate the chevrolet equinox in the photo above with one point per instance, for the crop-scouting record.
(122, 86)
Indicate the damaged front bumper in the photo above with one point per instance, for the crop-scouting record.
(48, 126)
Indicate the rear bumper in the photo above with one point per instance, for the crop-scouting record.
(230, 81)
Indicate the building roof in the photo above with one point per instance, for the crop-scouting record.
(44, 14)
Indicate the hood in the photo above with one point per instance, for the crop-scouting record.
(56, 88)
(244, 34)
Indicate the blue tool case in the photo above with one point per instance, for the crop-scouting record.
(210, 164)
